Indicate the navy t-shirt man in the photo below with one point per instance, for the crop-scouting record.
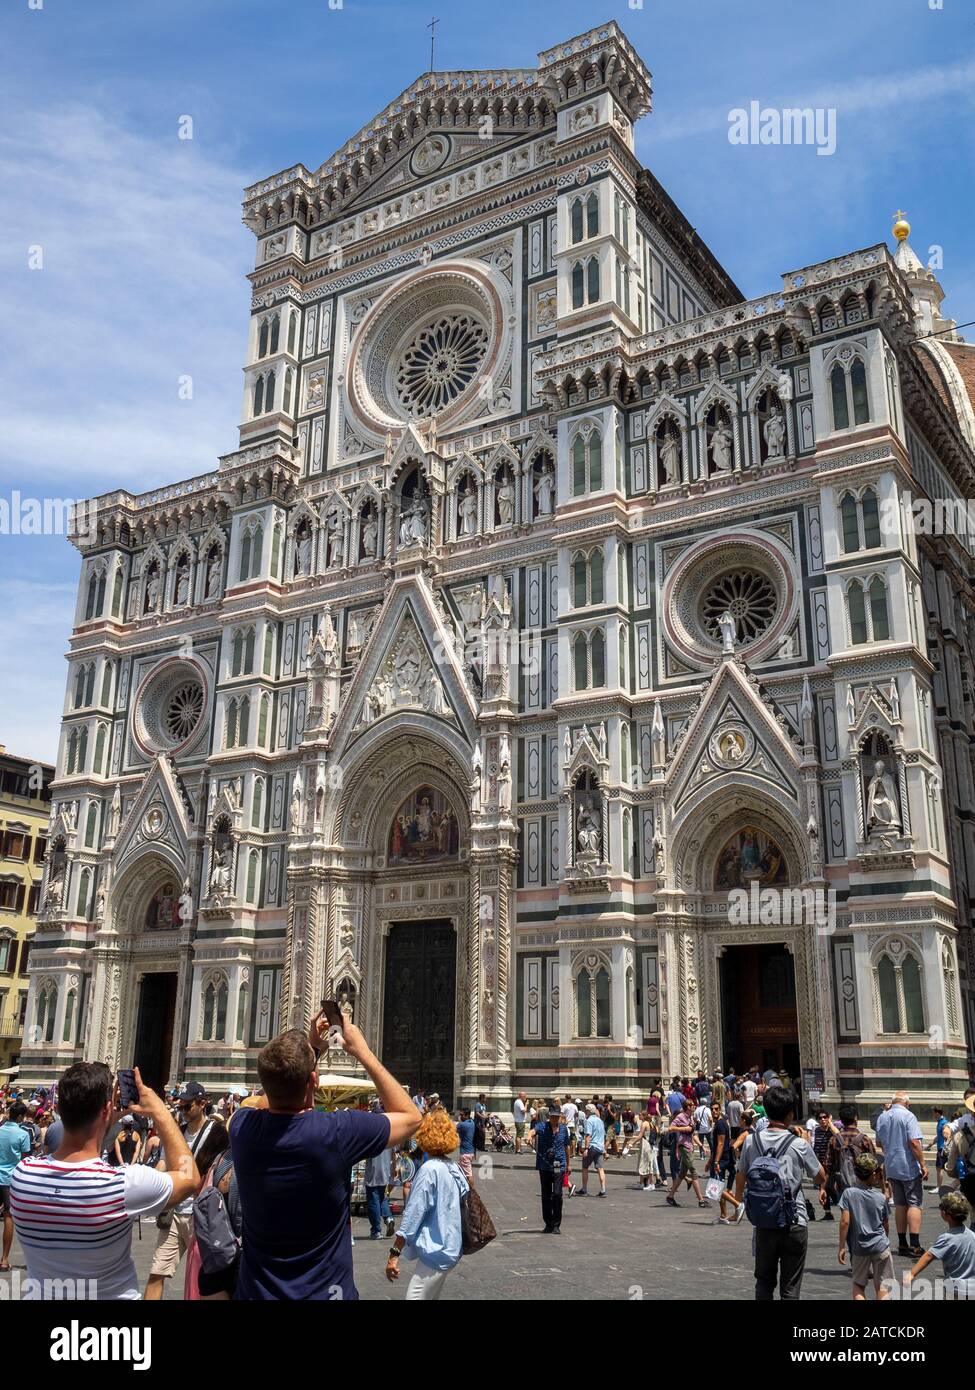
(292, 1174)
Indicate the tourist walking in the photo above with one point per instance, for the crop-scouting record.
(430, 1232)
(955, 1248)
(771, 1168)
(648, 1166)
(176, 1227)
(595, 1151)
(899, 1136)
(864, 1227)
(551, 1161)
(15, 1144)
(685, 1140)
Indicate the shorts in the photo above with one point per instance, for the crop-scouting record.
(593, 1158)
(908, 1192)
(223, 1281)
(877, 1268)
(687, 1166)
(465, 1162)
(171, 1246)
(4, 1201)
(520, 1129)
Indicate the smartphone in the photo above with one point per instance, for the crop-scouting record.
(128, 1091)
(332, 1012)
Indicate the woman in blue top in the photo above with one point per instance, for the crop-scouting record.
(430, 1229)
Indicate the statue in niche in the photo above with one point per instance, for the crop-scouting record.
(506, 501)
(185, 904)
(182, 593)
(721, 451)
(413, 523)
(152, 592)
(55, 887)
(467, 506)
(545, 491)
(370, 534)
(213, 575)
(774, 430)
(220, 875)
(100, 902)
(336, 540)
(883, 816)
(587, 830)
(431, 694)
(303, 550)
(668, 450)
(296, 799)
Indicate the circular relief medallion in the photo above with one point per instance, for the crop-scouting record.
(430, 155)
(731, 745)
(154, 822)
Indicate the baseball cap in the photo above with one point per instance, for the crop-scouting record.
(191, 1090)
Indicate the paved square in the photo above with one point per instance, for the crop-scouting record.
(626, 1246)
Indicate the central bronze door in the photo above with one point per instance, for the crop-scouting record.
(418, 1010)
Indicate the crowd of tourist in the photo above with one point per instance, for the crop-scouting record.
(250, 1193)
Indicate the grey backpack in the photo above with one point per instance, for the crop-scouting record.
(215, 1238)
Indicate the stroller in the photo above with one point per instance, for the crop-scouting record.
(500, 1138)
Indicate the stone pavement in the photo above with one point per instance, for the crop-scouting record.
(629, 1245)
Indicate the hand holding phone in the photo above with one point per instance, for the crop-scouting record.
(336, 1023)
(128, 1090)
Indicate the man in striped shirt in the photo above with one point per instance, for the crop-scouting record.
(73, 1212)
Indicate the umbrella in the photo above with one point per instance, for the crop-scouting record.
(336, 1089)
(9, 1071)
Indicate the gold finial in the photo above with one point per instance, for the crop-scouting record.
(902, 228)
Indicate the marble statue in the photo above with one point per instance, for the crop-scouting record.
(669, 454)
(220, 875)
(882, 813)
(587, 830)
(213, 575)
(774, 430)
(468, 512)
(185, 904)
(721, 449)
(370, 535)
(183, 584)
(506, 502)
(726, 623)
(296, 799)
(545, 492)
(336, 540)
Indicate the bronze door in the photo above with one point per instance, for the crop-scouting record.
(418, 1011)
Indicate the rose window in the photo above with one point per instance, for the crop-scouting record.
(169, 708)
(440, 362)
(183, 710)
(749, 597)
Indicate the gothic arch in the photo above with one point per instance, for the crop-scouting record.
(701, 837)
(141, 878)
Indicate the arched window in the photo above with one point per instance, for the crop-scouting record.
(117, 592)
(576, 221)
(275, 331)
(578, 285)
(276, 551)
(292, 330)
(91, 823)
(592, 214)
(597, 649)
(584, 1003)
(209, 1011)
(243, 722)
(230, 732)
(268, 650)
(69, 1006)
(587, 578)
(107, 685)
(237, 662)
(84, 883)
(241, 1012)
(858, 616)
(596, 577)
(871, 518)
(269, 393)
(262, 722)
(249, 651)
(899, 991)
(848, 392)
(851, 527)
(99, 750)
(263, 338)
(580, 657)
(289, 385)
(47, 1007)
(257, 407)
(592, 279)
(72, 757)
(90, 683)
(878, 610)
(245, 556)
(253, 860)
(79, 688)
(82, 751)
(257, 803)
(587, 462)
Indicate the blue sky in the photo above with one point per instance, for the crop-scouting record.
(144, 253)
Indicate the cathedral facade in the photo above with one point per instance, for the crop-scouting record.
(557, 672)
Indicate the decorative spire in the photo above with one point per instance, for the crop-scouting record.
(901, 228)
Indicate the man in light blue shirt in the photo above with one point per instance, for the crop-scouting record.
(899, 1135)
(15, 1144)
(595, 1154)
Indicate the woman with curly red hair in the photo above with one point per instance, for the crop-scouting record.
(430, 1228)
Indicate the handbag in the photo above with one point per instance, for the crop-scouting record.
(714, 1189)
(476, 1227)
